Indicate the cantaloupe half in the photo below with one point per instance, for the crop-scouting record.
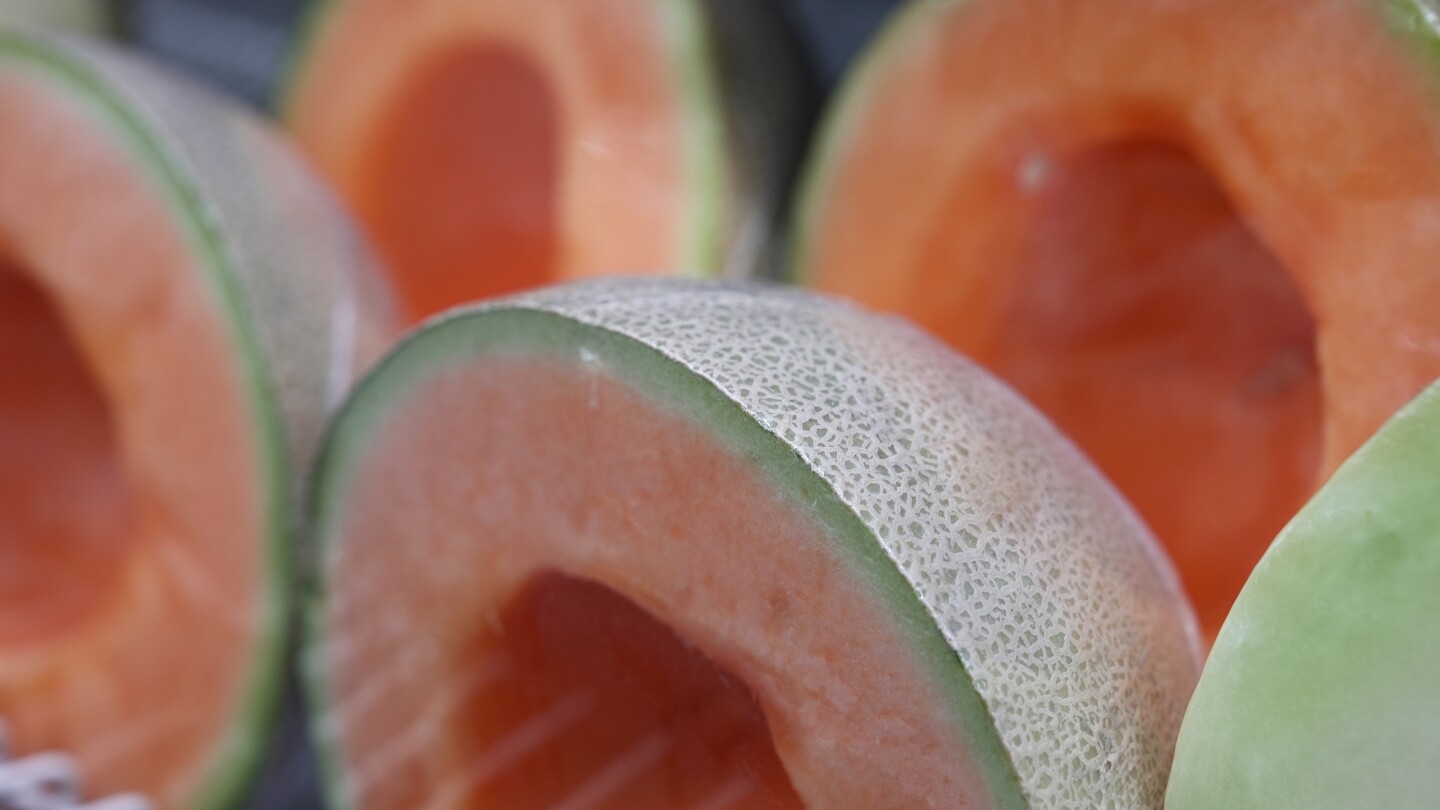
(659, 544)
(491, 147)
(1200, 235)
(180, 305)
(1321, 690)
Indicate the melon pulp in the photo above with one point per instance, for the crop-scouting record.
(180, 303)
(495, 147)
(1321, 688)
(1213, 275)
(662, 544)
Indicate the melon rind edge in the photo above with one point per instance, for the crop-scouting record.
(703, 153)
(465, 335)
(1321, 689)
(135, 103)
(1135, 642)
(836, 123)
(243, 751)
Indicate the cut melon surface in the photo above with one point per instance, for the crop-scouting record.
(1321, 690)
(661, 544)
(1199, 235)
(180, 305)
(496, 147)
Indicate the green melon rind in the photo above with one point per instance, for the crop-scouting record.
(1323, 688)
(838, 122)
(1417, 23)
(295, 286)
(770, 98)
(702, 250)
(462, 337)
(1122, 640)
(239, 758)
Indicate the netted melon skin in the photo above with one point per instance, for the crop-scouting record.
(1058, 603)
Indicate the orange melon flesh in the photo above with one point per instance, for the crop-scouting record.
(635, 544)
(1218, 283)
(59, 564)
(134, 676)
(460, 188)
(148, 428)
(592, 674)
(495, 147)
(432, 720)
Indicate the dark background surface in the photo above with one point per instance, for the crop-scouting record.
(243, 46)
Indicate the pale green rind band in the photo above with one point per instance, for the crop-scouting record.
(1323, 688)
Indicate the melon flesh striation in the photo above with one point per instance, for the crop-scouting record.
(1200, 236)
(492, 147)
(181, 304)
(850, 568)
(1321, 690)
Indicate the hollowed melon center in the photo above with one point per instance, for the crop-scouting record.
(604, 706)
(1144, 316)
(461, 187)
(69, 511)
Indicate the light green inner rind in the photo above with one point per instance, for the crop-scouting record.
(465, 337)
(237, 759)
(702, 122)
(1323, 689)
(838, 123)
(704, 155)
(1417, 24)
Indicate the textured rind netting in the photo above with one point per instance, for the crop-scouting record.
(1058, 602)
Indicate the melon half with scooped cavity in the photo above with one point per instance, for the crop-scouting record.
(181, 304)
(1201, 236)
(649, 544)
(491, 147)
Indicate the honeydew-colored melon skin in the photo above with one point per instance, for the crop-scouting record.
(296, 284)
(1068, 691)
(1323, 687)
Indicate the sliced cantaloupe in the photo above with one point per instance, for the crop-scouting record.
(1321, 690)
(180, 305)
(648, 544)
(491, 147)
(1201, 236)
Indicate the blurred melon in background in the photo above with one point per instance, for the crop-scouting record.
(242, 45)
(91, 16)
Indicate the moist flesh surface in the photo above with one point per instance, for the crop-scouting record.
(614, 606)
(1217, 285)
(498, 147)
(131, 587)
